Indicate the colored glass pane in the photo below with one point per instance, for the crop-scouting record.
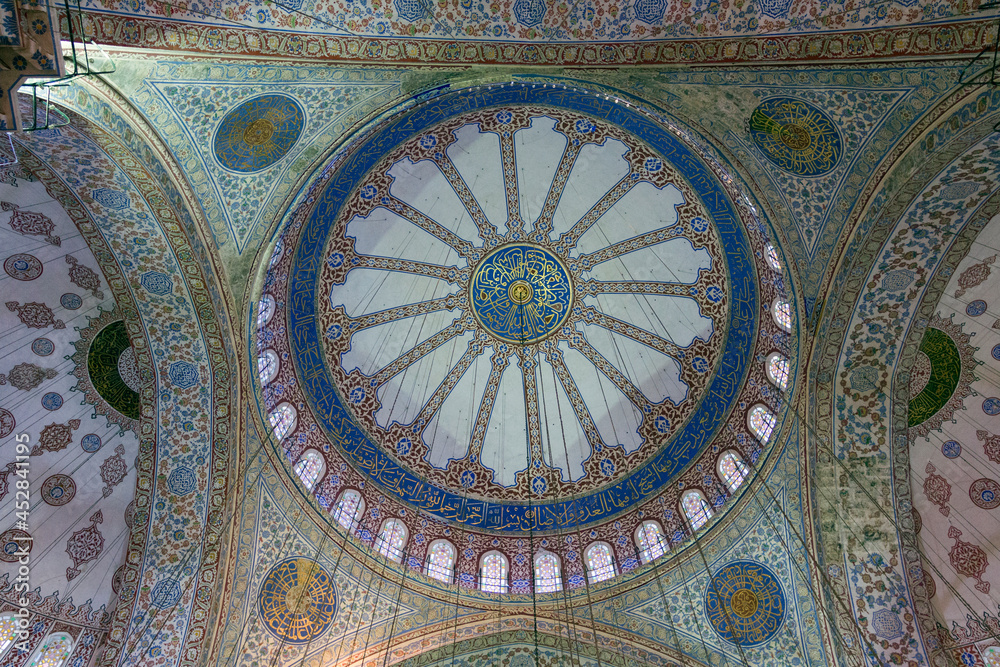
(281, 420)
(265, 309)
(547, 578)
(309, 468)
(346, 512)
(696, 509)
(8, 632)
(652, 541)
(771, 254)
(782, 311)
(493, 575)
(761, 423)
(733, 470)
(600, 564)
(276, 255)
(267, 366)
(55, 649)
(440, 561)
(991, 656)
(391, 540)
(777, 371)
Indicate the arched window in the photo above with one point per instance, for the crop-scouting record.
(548, 574)
(8, 632)
(600, 562)
(696, 508)
(267, 366)
(54, 651)
(282, 420)
(310, 468)
(651, 541)
(761, 422)
(493, 573)
(265, 310)
(991, 656)
(771, 254)
(391, 539)
(441, 561)
(276, 255)
(733, 470)
(782, 312)
(777, 370)
(348, 509)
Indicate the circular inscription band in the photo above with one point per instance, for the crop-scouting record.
(521, 293)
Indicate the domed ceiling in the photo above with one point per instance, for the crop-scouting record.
(523, 309)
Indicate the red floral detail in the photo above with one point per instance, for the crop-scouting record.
(27, 376)
(35, 315)
(969, 560)
(28, 222)
(85, 545)
(937, 489)
(84, 277)
(6, 472)
(974, 275)
(113, 470)
(7, 422)
(991, 444)
(55, 437)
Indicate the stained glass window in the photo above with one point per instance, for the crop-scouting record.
(548, 578)
(348, 510)
(441, 561)
(777, 370)
(761, 422)
(8, 632)
(651, 540)
(600, 563)
(267, 366)
(493, 573)
(771, 253)
(733, 470)
(391, 540)
(991, 655)
(782, 311)
(310, 468)
(265, 310)
(276, 255)
(696, 508)
(53, 651)
(282, 420)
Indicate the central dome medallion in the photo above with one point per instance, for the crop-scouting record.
(514, 295)
(521, 293)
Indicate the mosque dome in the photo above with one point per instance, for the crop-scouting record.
(525, 310)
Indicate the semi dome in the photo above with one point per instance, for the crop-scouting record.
(521, 309)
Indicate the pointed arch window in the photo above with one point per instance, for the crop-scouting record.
(282, 420)
(733, 470)
(265, 310)
(600, 562)
(651, 541)
(771, 254)
(441, 561)
(348, 510)
(548, 573)
(777, 370)
(276, 255)
(53, 651)
(310, 468)
(8, 632)
(761, 422)
(493, 573)
(267, 366)
(696, 509)
(781, 310)
(391, 539)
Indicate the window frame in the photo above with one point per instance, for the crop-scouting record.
(389, 550)
(774, 314)
(766, 439)
(504, 585)
(292, 424)
(319, 475)
(741, 465)
(272, 306)
(358, 513)
(591, 577)
(447, 577)
(788, 370)
(553, 588)
(274, 367)
(706, 509)
(638, 535)
(40, 649)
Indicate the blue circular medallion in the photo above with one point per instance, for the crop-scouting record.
(43, 347)
(52, 401)
(70, 301)
(258, 133)
(521, 293)
(745, 603)
(991, 406)
(996, 352)
(91, 442)
(951, 449)
(796, 136)
(297, 600)
(976, 308)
